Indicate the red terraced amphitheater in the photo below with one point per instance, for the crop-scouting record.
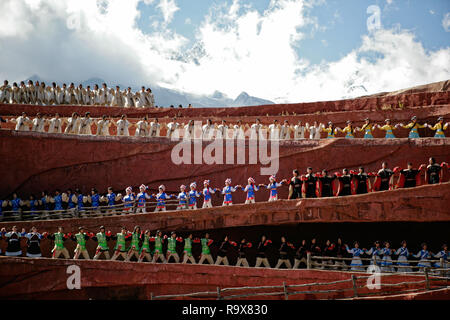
(31, 162)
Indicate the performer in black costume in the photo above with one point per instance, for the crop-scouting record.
(345, 183)
(310, 184)
(434, 172)
(34, 243)
(295, 186)
(261, 252)
(326, 184)
(362, 182)
(384, 179)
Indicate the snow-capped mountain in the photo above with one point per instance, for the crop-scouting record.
(167, 97)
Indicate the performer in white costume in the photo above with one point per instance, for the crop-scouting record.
(15, 93)
(285, 131)
(31, 92)
(141, 98)
(314, 130)
(239, 130)
(142, 128)
(51, 94)
(56, 124)
(123, 126)
(129, 98)
(103, 97)
(79, 94)
(5, 92)
(274, 130)
(172, 129)
(85, 124)
(189, 130)
(299, 131)
(257, 131)
(117, 98)
(103, 126)
(41, 94)
(88, 98)
(73, 124)
(23, 93)
(22, 122)
(150, 98)
(222, 131)
(155, 128)
(38, 123)
(208, 130)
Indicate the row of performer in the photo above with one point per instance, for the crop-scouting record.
(142, 245)
(42, 94)
(309, 185)
(78, 124)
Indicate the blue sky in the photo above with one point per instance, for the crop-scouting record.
(343, 22)
(280, 50)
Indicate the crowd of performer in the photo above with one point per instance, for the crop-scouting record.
(141, 245)
(145, 127)
(41, 94)
(308, 185)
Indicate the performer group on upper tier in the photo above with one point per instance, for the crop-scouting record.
(307, 185)
(82, 125)
(41, 94)
(141, 245)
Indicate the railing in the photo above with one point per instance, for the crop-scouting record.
(85, 212)
(285, 291)
(231, 136)
(310, 264)
(89, 211)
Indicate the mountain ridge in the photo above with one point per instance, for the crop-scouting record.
(167, 97)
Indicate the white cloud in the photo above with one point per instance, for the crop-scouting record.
(237, 49)
(432, 12)
(104, 42)
(256, 53)
(403, 62)
(446, 22)
(168, 9)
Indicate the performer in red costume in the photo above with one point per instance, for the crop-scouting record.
(326, 184)
(361, 182)
(409, 178)
(384, 179)
(346, 185)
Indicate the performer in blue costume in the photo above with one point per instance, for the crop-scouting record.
(272, 186)
(193, 194)
(226, 191)
(251, 188)
(182, 198)
(356, 252)
(207, 191)
(141, 198)
(128, 200)
(161, 198)
(403, 254)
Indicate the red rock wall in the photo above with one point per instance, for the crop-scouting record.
(32, 162)
(419, 214)
(46, 279)
(368, 104)
(424, 114)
